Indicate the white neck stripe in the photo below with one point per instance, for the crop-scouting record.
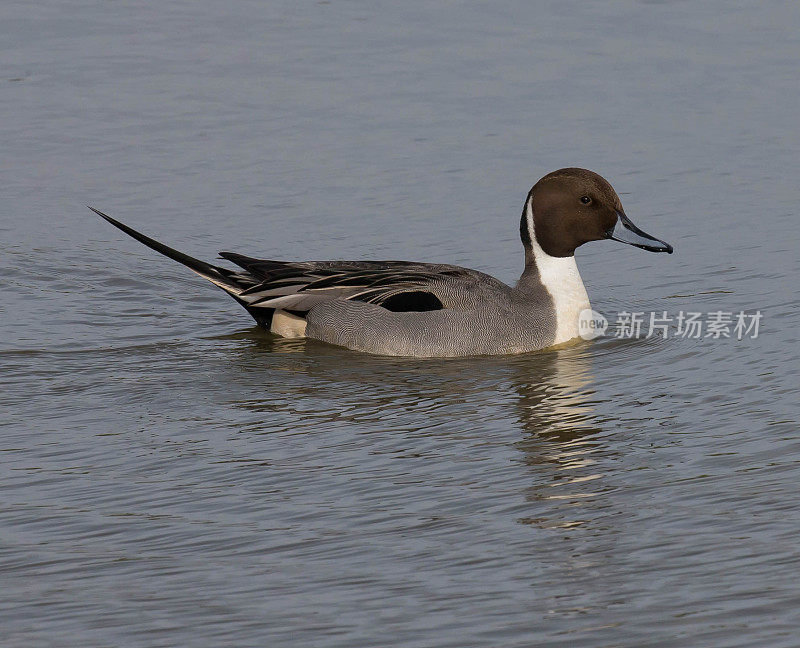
(560, 276)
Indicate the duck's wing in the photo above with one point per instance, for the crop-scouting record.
(395, 285)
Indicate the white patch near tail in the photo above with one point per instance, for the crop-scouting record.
(217, 282)
(563, 281)
(287, 325)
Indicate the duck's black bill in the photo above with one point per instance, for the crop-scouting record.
(625, 231)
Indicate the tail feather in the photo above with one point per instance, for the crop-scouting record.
(221, 277)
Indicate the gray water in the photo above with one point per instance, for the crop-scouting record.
(173, 476)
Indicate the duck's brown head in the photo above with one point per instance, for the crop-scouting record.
(570, 207)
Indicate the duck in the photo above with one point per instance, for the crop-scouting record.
(414, 309)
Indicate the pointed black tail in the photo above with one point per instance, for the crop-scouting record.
(221, 277)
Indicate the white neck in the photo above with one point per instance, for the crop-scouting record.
(561, 278)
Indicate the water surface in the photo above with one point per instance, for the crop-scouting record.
(171, 475)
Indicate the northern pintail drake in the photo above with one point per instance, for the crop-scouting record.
(402, 308)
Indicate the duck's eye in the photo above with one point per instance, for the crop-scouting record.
(586, 200)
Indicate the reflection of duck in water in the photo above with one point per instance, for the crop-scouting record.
(400, 308)
(562, 446)
(553, 402)
(524, 424)
(543, 393)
